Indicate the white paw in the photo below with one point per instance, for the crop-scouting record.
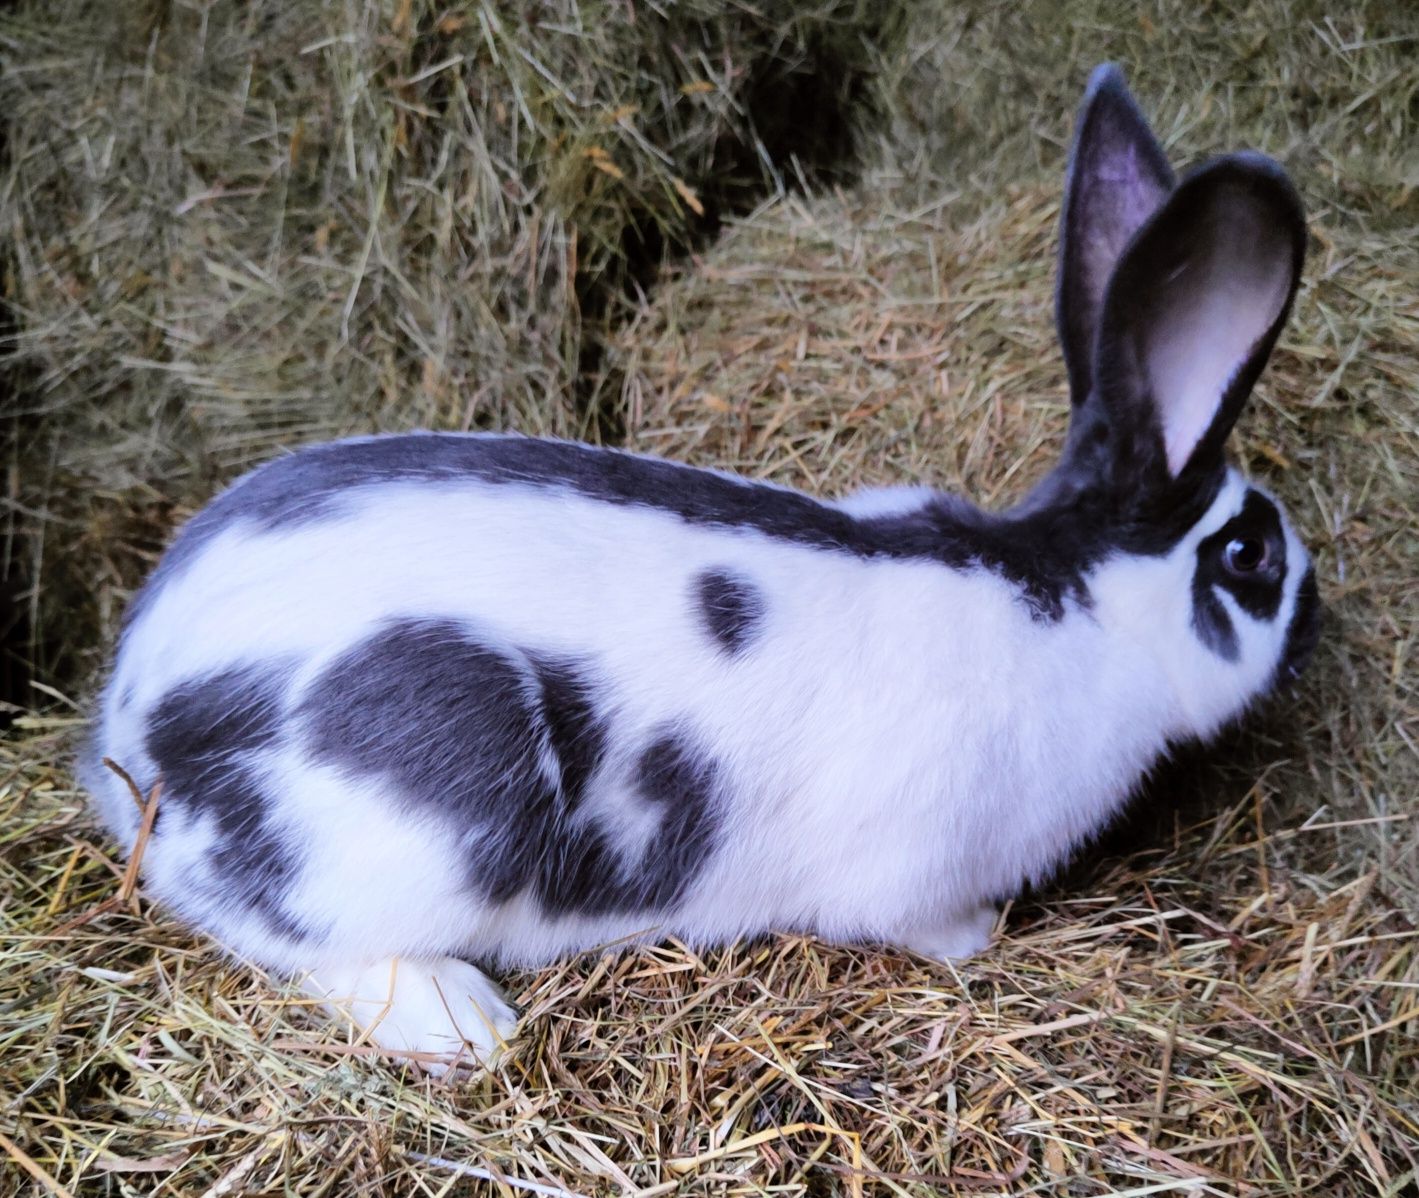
(957, 939)
(440, 1013)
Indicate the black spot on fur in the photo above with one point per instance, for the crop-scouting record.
(454, 725)
(731, 607)
(214, 717)
(677, 778)
(202, 738)
(577, 733)
(588, 876)
(472, 733)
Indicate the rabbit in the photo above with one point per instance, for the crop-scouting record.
(418, 701)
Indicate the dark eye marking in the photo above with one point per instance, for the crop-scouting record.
(1304, 632)
(1246, 557)
(731, 607)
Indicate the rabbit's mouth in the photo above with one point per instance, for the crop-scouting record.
(1303, 633)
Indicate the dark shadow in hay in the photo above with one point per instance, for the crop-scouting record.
(16, 581)
(1176, 812)
(805, 108)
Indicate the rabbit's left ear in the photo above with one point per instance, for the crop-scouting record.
(1117, 178)
(1191, 314)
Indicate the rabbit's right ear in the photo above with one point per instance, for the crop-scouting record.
(1118, 177)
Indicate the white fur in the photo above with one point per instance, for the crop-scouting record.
(887, 501)
(441, 1013)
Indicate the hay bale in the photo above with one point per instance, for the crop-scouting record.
(989, 91)
(233, 229)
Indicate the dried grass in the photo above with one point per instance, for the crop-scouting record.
(233, 228)
(1221, 999)
(1206, 1017)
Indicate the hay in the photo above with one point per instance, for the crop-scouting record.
(1204, 1018)
(235, 228)
(1219, 1000)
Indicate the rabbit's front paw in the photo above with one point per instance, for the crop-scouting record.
(955, 939)
(441, 1013)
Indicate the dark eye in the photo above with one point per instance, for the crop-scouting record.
(1245, 554)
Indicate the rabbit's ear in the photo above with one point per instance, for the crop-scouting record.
(1117, 178)
(1191, 314)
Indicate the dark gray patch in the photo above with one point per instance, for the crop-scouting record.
(589, 877)
(577, 733)
(466, 730)
(453, 724)
(672, 774)
(210, 718)
(200, 737)
(730, 606)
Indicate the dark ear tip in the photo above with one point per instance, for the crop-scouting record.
(1108, 103)
(1107, 76)
(1107, 90)
(1259, 176)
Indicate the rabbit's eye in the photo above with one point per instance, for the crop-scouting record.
(1244, 555)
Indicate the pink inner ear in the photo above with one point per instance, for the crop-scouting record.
(1210, 313)
(1124, 194)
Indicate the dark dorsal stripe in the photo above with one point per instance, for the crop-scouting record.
(1257, 593)
(1043, 552)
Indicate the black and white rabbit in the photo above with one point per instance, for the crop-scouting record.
(421, 699)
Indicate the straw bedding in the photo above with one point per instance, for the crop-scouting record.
(229, 229)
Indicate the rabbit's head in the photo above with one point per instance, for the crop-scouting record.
(1170, 298)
